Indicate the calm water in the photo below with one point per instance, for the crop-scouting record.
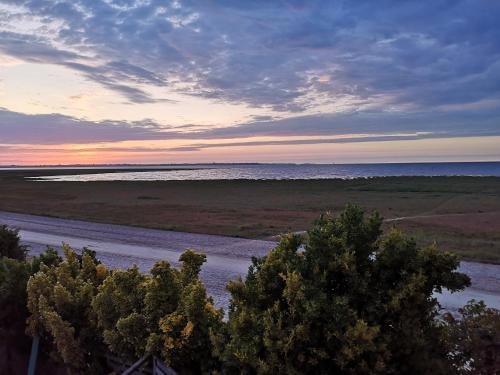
(287, 171)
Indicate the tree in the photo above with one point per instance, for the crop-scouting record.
(15, 271)
(166, 313)
(10, 246)
(59, 301)
(185, 338)
(118, 306)
(49, 258)
(350, 302)
(14, 276)
(474, 339)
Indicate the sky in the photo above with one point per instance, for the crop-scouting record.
(156, 81)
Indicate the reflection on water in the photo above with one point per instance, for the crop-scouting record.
(290, 171)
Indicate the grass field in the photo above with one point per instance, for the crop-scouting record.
(461, 213)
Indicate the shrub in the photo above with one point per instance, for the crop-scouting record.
(10, 246)
(59, 301)
(351, 302)
(166, 313)
(474, 339)
(14, 276)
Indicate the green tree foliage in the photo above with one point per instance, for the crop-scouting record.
(59, 300)
(117, 305)
(49, 258)
(474, 339)
(350, 302)
(15, 271)
(10, 246)
(166, 313)
(347, 300)
(14, 275)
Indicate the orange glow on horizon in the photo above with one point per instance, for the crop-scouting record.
(458, 149)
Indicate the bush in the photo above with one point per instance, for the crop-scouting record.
(474, 339)
(167, 313)
(347, 300)
(59, 301)
(10, 246)
(351, 302)
(14, 344)
(83, 311)
(14, 276)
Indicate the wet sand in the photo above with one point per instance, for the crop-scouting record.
(227, 257)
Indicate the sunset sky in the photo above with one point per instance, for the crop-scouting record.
(138, 81)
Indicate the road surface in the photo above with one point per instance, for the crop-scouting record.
(227, 257)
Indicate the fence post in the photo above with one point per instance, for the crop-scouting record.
(34, 355)
(136, 365)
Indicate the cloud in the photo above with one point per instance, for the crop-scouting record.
(288, 56)
(19, 128)
(53, 129)
(111, 75)
(314, 141)
(112, 78)
(452, 123)
(32, 49)
(202, 146)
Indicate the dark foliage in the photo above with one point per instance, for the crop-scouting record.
(350, 302)
(10, 246)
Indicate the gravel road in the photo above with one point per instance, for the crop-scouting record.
(227, 257)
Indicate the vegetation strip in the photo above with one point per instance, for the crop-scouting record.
(351, 300)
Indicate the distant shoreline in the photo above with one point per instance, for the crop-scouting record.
(161, 165)
(194, 172)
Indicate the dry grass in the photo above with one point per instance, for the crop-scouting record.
(261, 209)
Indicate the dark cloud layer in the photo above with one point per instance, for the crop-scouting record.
(53, 129)
(275, 54)
(19, 128)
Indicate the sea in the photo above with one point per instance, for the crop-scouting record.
(190, 172)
